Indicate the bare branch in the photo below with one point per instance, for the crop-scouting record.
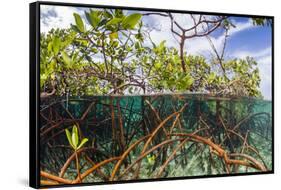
(159, 14)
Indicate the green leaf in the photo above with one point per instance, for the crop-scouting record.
(74, 129)
(137, 45)
(56, 45)
(75, 139)
(94, 50)
(158, 65)
(130, 90)
(118, 13)
(211, 77)
(52, 66)
(79, 22)
(130, 21)
(50, 46)
(162, 44)
(68, 135)
(187, 82)
(93, 18)
(74, 28)
(113, 35)
(139, 37)
(82, 143)
(114, 21)
(66, 59)
(150, 159)
(115, 44)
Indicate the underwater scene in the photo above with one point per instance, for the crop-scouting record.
(143, 137)
(129, 95)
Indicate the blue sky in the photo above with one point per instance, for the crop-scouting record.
(256, 42)
(244, 40)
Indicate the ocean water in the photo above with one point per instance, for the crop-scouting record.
(157, 136)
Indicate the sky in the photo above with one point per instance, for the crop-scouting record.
(244, 40)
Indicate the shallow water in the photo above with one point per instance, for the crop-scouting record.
(185, 132)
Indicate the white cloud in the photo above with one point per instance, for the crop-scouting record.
(264, 64)
(255, 54)
(62, 19)
(161, 30)
(265, 60)
(240, 26)
(59, 16)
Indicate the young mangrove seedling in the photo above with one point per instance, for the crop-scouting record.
(150, 160)
(73, 140)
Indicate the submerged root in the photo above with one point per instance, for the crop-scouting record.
(127, 152)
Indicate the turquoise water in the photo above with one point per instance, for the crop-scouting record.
(240, 127)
